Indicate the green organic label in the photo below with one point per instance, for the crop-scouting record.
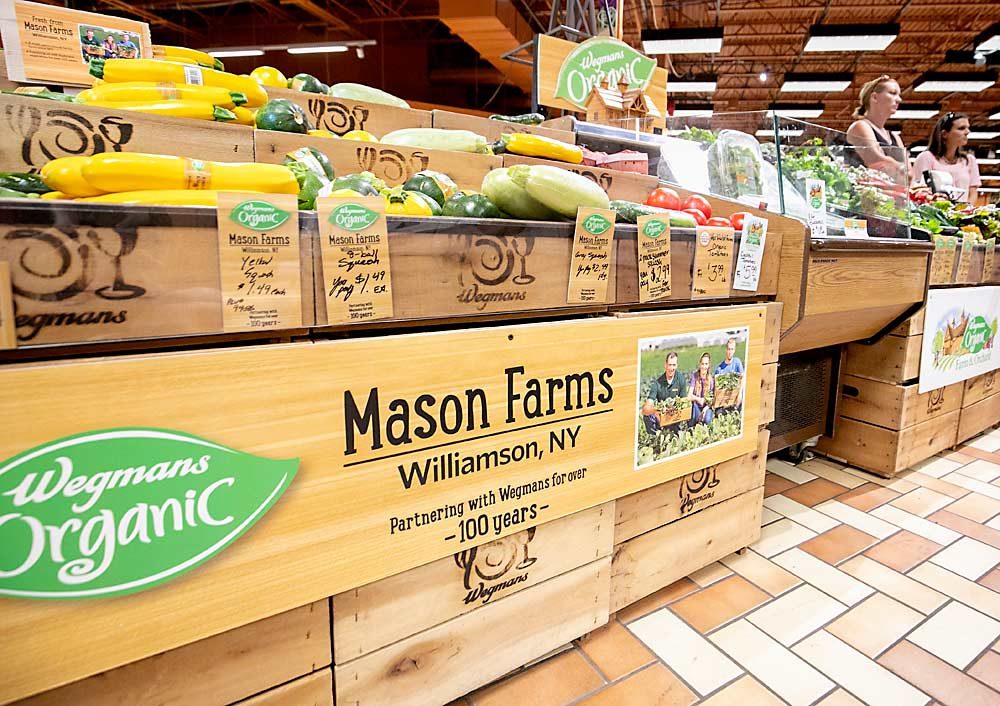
(353, 217)
(601, 61)
(258, 215)
(596, 224)
(977, 334)
(654, 228)
(117, 511)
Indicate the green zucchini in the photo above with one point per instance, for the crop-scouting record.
(471, 206)
(511, 198)
(365, 183)
(23, 182)
(563, 191)
(629, 212)
(525, 119)
(367, 94)
(435, 138)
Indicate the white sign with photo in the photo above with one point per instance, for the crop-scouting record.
(960, 328)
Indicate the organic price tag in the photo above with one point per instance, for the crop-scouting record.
(943, 259)
(354, 241)
(855, 228)
(991, 251)
(751, 254)
(713, 262)
(816, 200)
(8, 332)
(653, 241)
(593, 251)
(965, 260)
(259, 261)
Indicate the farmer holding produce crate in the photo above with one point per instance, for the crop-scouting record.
(732, 365)
(703, 391)
(670, 385)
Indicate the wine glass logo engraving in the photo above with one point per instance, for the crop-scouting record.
(493, 258)
(491, 562)
(695, 483)
(58, 264)
(61, 132)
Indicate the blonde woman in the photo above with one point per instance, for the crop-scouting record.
(868, 135)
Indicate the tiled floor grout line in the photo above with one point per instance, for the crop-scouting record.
(607, 685)
(586, 657)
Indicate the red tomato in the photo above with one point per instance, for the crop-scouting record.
(718, 221)
(737, 219)
(699, 202)
(698, 216)
(663, 197)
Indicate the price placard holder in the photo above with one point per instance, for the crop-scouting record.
(653, 257)
(712, 276)
(943, 259)
(259, 267)
(593, 256)
(988, 257)
(964, 273)
(354, 242)
(751, 254)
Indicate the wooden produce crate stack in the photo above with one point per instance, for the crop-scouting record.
(980, 405)
(340, 116)
(625, 186)
(884, 425)
(492, 129)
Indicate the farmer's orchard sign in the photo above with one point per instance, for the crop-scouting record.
(568, 72)
(960, 329)
(122, 510)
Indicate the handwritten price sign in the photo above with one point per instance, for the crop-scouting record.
(593, 250)
(653, 242)
(713, 262)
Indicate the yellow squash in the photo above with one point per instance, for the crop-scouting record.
(197, 110)
(187, 55)
(360, 136)
(127, 70)
(244, 116)
(131, 171)
(167, 197)
(54, 196)
(65, 175)
(321, 133)
(146, 91)
(529, 145)
(269, 76)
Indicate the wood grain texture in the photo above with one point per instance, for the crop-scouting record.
(657, 558)
(886, 452)
(895, 406)
(893, 359)
(768, 388)
(286, 401)
(772, 332)
(339, 115)
(393, 163)
(316, 689)
(452, 659)
(230, 666)
(679, 498)
(627, 186)
(33, 131)
(980, 387)
(384, 612)
(978, 417)
(913, 326)
(820, 330)
(493, 129)
(840, 282)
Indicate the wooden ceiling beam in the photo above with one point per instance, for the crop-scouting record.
(321, 13)
(152, 18)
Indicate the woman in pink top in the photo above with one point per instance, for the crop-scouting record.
(947, 153)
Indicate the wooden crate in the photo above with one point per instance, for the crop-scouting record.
(450, 268)
(657, 558)
(34, 131)
(893, 359)
(339, 115)
(662, 504)
(626, 186)
(230, 666)
(980, 387)
(978, 416)
(772, 332)
(895, 406)
(387, 611)
(913, 326)
(768, 389)
(316, 689)
(392, 163)
(85, 273)
(454, 658)
(887, 452)
(492, 129)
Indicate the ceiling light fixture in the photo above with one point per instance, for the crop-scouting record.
(950, 82)
(792, 110)
(988, 160)
(995, 115)
(851, 37)
(990, 39)
(983, 134)
(915, 112)
(918, 148)
(682, 40)
(692, 84)
(989, 190)
(233, 53)
(762, 76)
(781, 133)
(989, 177)
(816, 82)
(323, 49)
(687, 111)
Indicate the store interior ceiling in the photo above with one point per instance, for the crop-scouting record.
(448, 52)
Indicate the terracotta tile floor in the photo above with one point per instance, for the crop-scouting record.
(887, 648)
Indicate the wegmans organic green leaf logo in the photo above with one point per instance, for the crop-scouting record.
(977, 334)
(596, 224)
(601, 61)
(353, 217)
(654, 228)
(258, 215)
(117, 511)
